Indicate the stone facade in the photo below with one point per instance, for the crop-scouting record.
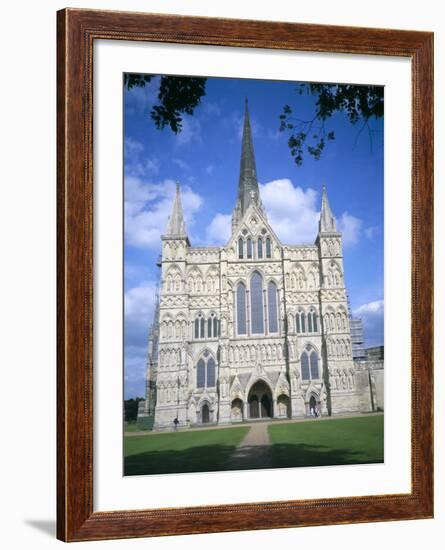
(252, 329)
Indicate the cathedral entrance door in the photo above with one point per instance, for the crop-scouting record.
(260, 401)
(265, 406)
(312, 405)
(205, 414)
(254, 409)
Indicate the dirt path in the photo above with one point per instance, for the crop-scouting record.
(253, 449)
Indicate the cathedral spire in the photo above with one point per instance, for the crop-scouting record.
(176, 224)
(248, 183)
(327, 220)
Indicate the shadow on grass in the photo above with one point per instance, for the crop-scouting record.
(207, 458)
(214, 458)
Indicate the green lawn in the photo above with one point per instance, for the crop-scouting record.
(357, 440)
(195, 451)
(331, 442)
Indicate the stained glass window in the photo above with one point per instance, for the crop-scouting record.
(256, 303)
(202, 328)
(268, 248)
(305, 374)
(241, 309)
(314, 366)
(201, 374)
(210, 373)
(260, 248)
(272, 301)
(209, 327)
(297, 322)
(196, 328)
(240, 248)
(215, 327)
(249, 248)
(309, 322)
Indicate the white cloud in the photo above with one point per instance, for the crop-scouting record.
(375, 307)
(219, 230)
(372, 315)
(291, 211)
(148, 206)
(191, 131)
(181, 164)
(210, 108)
(139, 303)
(350, 227)
(136, 164)
(139, 300)
(141, 100)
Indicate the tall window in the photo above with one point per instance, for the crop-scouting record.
(268, 248)
(297, 323)
(260, 248)
(240, 248)
(210, 382)
(215, 327)
(309, 364)
(199, 329)
(272, 302)
(249, 248)
(312, 321)
(205, 371)
(202, 328)
(212, 326)
(241, 309)
(256, 306)
(209, 327)
(314, 366)
(201, 374)
(305, 374)
(300, 321)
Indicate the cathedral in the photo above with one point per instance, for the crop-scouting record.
(255, 329)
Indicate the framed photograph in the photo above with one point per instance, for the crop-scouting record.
(245, 231)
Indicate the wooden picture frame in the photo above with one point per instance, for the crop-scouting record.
(77, 31)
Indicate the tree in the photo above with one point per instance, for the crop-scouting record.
(177, 96)
(181, 95)
(131, 409)
(359, 103)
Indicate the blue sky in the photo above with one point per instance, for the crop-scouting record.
(205, 159)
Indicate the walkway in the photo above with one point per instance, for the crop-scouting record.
(254, 448)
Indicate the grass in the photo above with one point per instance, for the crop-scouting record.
(130, 427)
(196, 451)
(357, 440)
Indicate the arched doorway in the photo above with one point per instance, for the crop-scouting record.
(283, 406)
(312, 405)
(205, 414)
(260, 401)
(237, 410)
